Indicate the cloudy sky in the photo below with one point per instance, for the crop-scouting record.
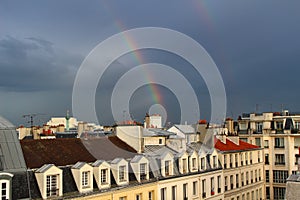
(255, 45)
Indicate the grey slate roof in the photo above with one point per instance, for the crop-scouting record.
(150, 132)
(11, 155)
(4, 123)
(97, 163)
(136, 158)
(186, 129)
(78, 165)
(44, 168)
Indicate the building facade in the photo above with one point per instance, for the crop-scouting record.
(278, 134)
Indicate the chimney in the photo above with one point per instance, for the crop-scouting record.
(229, 125)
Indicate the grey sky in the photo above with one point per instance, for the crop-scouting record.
(255, 45)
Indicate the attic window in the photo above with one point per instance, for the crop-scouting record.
(194, 163)
(122, 173)
(104, 173)
(51, 185)
(143, 173)
(85, 179)
(167, 167)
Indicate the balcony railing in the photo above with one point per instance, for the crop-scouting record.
(279, 163)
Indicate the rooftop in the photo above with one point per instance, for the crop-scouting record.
(231, 146)
(59, 152)
(108, 148)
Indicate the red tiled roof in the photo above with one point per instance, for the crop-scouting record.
(231, 146)
(59, 152)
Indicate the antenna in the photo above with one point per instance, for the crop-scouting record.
(30, 120)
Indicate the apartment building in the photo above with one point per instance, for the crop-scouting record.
(242, 168)
(278, 134)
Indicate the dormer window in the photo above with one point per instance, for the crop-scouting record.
(83, 176)
(5, 189)
(194, 164)
(167, 167)
(202, 163)
(122, 173)
(143, 172)
(85, 179)
(184, 165)
(215, 162)
(52, 185)
(104, 173)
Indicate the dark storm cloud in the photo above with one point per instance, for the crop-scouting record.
(33, 64)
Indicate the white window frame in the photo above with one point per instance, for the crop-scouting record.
(104, 176)
(52, 185)
(85, 179)
(7, 188)
(122, 171)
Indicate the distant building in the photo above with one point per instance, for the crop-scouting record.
(278, 133)
(153, 121)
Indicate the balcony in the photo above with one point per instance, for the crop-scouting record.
(279, 163)
(278, 147)
(279, 131)
(295, 131)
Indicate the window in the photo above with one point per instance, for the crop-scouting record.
(123, 198)
(4, 190)
(226, 183)
(122, 173)
(150, 195)
(237, 180)
(174, 192)
(246, 158)
(266, 145)
(279, 125)
(296, 159)
(267, 192)
(219, 184)
(212, 186)
(266, 159)
(163, 194)
(257, 142)
(267, 176)
(250, 157)
(231, 182)
(297, 125)
(160, 141)
(185, 192)
(203, 188)
(247, 178)
(242, 179)
(259, 127)
(215, 162)
(85, 179)
(259, 174)
(280, 176)
(241, 159)
(143, 172)
(51, 186)
(279, 193)
(184, 165)
(258, 156)
(194, 164)
(251, 175)
(138, 196)
(255, 175)
(202, 163)
(195, 186)
(230, 160)
(104, 173)
(225, 161)
(236, 160)
(297, 142)
(279, 142)
(279, 159)
(167, 167)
